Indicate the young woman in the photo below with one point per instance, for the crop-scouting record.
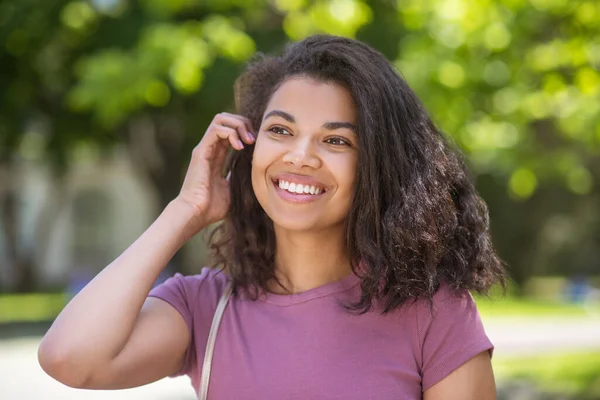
(351, 235)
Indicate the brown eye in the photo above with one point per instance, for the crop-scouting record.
(279, 131)
(337, 141)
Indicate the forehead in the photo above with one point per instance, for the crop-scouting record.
(306, 98)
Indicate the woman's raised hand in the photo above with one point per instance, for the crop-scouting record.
(205, 189)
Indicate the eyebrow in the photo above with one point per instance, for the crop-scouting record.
(328, 125)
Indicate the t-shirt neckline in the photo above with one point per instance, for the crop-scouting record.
(329, 288)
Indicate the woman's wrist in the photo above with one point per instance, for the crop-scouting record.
(184, 219)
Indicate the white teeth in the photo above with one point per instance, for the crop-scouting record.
(298, 188)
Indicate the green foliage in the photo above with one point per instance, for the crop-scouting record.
(515, 83)
(115, 83)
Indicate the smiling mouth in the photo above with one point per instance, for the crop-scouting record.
(298, 188)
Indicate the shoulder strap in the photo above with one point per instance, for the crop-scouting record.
(210, 345)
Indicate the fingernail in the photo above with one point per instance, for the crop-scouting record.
(251, 135)
(241, 144)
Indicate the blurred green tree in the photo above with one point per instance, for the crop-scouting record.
(515, 83)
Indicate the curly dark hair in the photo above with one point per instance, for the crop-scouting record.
(416, 219)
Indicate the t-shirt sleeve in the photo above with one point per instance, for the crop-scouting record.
(450, 334)
(181, 293)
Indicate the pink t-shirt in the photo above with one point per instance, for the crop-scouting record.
(305, 346)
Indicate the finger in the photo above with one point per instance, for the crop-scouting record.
(241, 127)
(219, 161)
(240, 123)
(241, 118)
(231, 134)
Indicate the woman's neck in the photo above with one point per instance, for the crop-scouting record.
(306, 260)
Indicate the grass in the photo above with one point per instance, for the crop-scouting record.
(31, 306)
(575, 374)
(46, 306)
(526, 307)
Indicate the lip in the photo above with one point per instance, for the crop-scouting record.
(302, 179)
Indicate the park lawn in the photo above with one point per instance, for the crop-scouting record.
(575, 374)
(511, 306)
(31, 307)
(46, 306)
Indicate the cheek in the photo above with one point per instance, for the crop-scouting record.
(260, 162)
(256, 171)
(345, 171)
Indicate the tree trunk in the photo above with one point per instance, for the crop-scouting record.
(156, 145)
(21, 266)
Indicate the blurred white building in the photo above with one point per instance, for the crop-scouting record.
(82, 224)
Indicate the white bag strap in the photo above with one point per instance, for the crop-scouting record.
(210, 345)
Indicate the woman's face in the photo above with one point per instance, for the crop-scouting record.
(305, 156)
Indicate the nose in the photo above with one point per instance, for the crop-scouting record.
(302, 154)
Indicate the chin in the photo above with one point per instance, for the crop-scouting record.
(304, 223)
(296, 223)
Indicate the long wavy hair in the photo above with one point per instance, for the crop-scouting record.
(416, 219)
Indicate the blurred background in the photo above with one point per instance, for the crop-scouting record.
(102, 102)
